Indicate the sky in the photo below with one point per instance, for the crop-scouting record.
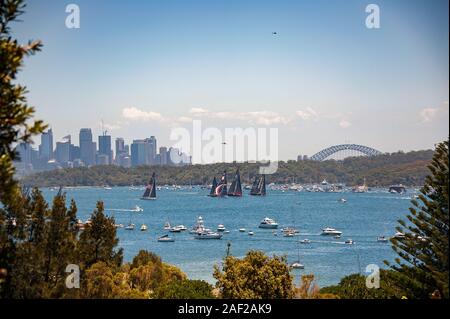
(147, 67)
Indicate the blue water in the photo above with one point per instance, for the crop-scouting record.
(362, 218)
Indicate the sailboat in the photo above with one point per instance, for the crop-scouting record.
(150, 190)
(221, 189)
(298, 264)
(212, 193)
(259, 186)
(236, 188)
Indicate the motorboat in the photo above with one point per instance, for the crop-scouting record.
(167, 226)
(399, 235)
(382, 239)
(349, 242)
(290, 230)
(221, 228)
(289, 234)
(242, 230)
(343, 200)
(268, 223)
(208, 235)
(143, 227)
(337, 237)
(175, 229)
(226, 231)
(199, 226)
(130, 227)
(165, 239)
(181, 227)
(305, 241)
(250, 233)
(327, 231)
(297, 265)
(137, 208)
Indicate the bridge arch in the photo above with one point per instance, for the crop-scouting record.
(327, 152)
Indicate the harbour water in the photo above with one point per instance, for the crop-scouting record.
(362, 218)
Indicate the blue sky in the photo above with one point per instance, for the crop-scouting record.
(144, 67)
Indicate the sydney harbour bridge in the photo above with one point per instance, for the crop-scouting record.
(342, 151)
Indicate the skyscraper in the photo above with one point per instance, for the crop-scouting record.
(152, 149)
(87, 147)
(163, 155)
(140, 152)
(46, 147)
(104, 147)
(62, 152)
(120, 146)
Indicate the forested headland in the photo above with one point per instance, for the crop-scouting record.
(409, 169)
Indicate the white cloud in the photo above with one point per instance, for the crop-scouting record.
(260, 117)
(344, 124)
(428, 114)
(135, 114)
(308, 114)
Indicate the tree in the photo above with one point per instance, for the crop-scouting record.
(354, 287)
(15, 127)
(256, 276)
(98, 241)
(422, 266)
(184, 289)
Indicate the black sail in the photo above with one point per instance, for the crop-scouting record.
(150, 190)
(221, 189)
(263, 186)
(254, 189)
(212, 193)
(236, 188)
(259, 186)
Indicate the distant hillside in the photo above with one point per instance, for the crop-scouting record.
(406, 168)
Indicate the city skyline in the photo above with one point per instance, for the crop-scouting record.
(323, 78)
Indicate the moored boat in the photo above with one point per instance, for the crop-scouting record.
(328, 231)
(268, 223)
(166, 239)
(208, 235)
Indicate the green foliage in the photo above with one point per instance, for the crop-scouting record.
(98, 241)
(256, 276)
(354, 287)
(383, 170)
(421, 269)
(15, 114)
(185, 289)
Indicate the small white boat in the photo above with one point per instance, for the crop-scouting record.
(399, 235)
(337, 237)
(242, 230)
(175, 229)
(297, 265)
(221, 228)
(181, 227)
(343, 200)
(349, 242)
(382, 239)
(167, 226)
(208, 235)
(327, 231)
(250, 233)
(166, 239)
(305, 241)
(137, 208)
(143, 227)
(130, 227)
(290, 234)
(268, 223)
(226, 231)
